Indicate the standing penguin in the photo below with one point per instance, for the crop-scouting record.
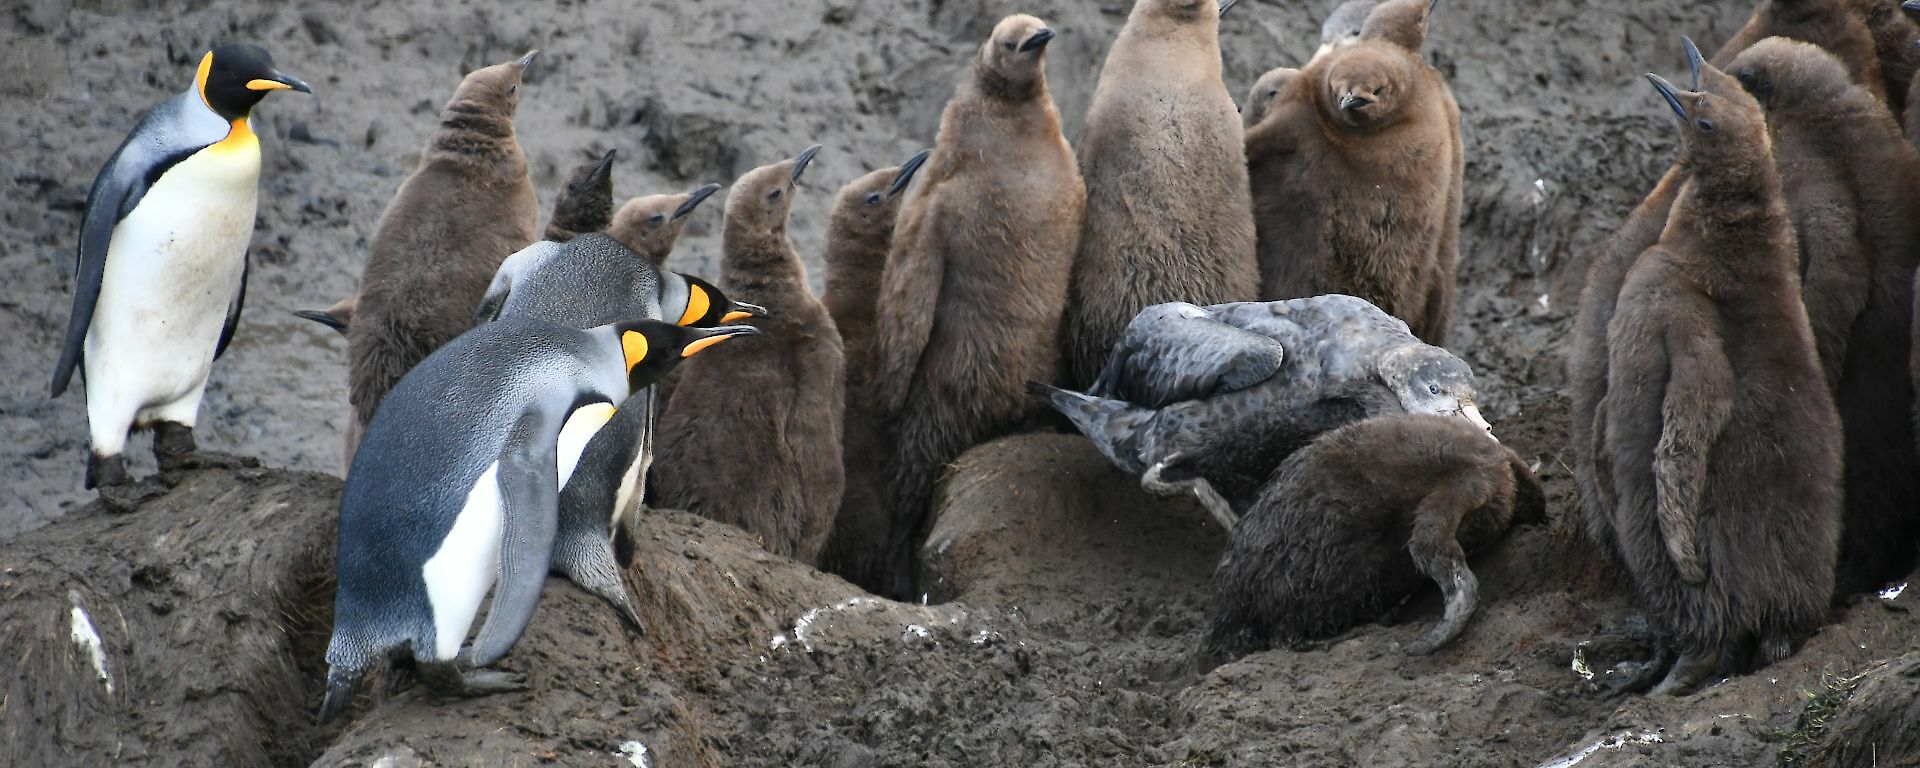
(859, 236)
(1169, 216)
(651, 225)
(1722, 439)
(464, 210)
(457, 481)
(1369, 166)
(1851, 186)
(971, 300)
(161, 270)
(781, 476)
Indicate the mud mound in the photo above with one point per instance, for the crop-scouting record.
(1880, 724)
(1044, 522)
(186, 633)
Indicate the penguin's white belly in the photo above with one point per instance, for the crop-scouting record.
(463, 568)
(173, 267)
(575, 434)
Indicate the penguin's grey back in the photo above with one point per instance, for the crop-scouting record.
(595, 280)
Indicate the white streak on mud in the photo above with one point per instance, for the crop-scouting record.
(89, 641)
(636, 753)
(1616, 741)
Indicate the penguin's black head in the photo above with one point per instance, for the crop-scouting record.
(235, 76)
(708, 307)
(652, 348)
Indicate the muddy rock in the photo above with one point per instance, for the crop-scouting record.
(1876, 726)
(188, 632)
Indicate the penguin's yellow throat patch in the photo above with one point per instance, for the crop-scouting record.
(239, 135)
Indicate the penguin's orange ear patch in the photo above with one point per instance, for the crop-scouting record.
(697, 305)
(200, 76)
(634, 345)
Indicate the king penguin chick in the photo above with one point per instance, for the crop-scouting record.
(337, 317)
(1366, 204)
(161, 271)
(1721, 436)
(1355, 523)
(1210, 400)
(1162, 144)
(1839, 26)
(859, 236)
(589, 281)
(651, 225)
(466, 208)
(768, 462)
(1850, 183)
(457, 481)
(970, 303)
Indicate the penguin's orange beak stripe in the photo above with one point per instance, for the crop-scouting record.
(267, 85)
(736, 315)
(701, 344)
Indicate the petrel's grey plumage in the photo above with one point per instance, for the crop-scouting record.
(1211, 399)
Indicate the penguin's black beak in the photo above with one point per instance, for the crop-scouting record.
(1694, 60)
(1039, 40)
(1350, 101)
(1912, 7)
(526, 61)
(742, 310)
(602, 169)
(912, 166)
(800, 162)
(275, 80)
(1666, 90)
(1227, 5)
(699, 195)
(708, 337)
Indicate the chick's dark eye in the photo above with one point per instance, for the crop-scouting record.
(774, 195)
(657, 218)
(1007, 45)
(1433, 389)
(1706, 126)
(873, 199)
(513, 89)
(1271, 94)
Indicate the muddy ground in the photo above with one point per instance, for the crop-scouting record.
(1063, 625)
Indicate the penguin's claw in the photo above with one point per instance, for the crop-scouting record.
(128, 496)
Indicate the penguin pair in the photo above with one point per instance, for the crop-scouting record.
(457, 481)
(591, 280)
(161, 272)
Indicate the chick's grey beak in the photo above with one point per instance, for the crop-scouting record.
(800, 162)
(527, 60)
(699, 195)
(907, 170)
(1666, 90)
(1227, 5)
(1039, 40)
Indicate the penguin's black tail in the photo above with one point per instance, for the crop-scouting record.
(341, 681)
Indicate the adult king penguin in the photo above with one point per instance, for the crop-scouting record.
(162, 267)
(456, 485)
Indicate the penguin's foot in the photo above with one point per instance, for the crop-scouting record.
(174, 448)
(125, 497)
(106, 471)
(1775, 647)
(1687, 674)
(1202, 491)
(448, 679)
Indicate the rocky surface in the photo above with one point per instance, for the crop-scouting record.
(1065, 607)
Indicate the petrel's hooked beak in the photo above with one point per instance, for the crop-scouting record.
(912, 166)
(699, 195)
(800, 162)
(1472, 414)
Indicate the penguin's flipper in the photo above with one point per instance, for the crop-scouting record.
(494, 299)
(530, 502)
(912, 282)
(170, 133)
(1175, 352)
(233, 310)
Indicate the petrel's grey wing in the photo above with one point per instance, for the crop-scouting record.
(1175, 352)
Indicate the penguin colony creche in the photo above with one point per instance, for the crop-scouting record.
(1743, 330)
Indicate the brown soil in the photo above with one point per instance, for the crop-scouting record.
(1068, 606)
